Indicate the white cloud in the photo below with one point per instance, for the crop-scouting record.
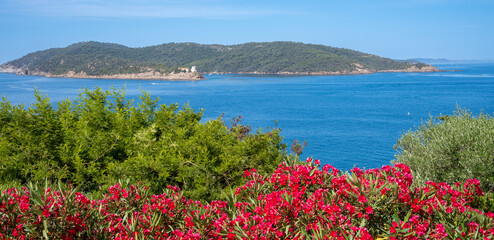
(134, 8)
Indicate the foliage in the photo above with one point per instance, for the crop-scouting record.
(102, 137)
(298, 201)
(275, 57)
(484, 203)
(96, 58)
(451, 148)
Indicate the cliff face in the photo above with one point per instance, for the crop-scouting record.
(6, 68)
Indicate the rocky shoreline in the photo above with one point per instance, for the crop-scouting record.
(151, 75)
(415, 69)
(359, 71)
(195, 76)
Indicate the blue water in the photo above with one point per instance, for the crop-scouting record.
(346, 120)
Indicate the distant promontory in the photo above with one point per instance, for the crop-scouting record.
(188, 61)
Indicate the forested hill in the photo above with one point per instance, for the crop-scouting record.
(95, 58)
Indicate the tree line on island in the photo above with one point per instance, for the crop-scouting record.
(96, 58)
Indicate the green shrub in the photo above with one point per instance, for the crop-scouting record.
(450, 149)
(101, 137)
(484, 203)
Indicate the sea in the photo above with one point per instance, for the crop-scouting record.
(347, 121)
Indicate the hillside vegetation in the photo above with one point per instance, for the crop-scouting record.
(95, 58)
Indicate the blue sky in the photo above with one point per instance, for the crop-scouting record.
(400, 29)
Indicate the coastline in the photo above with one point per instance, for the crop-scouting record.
(359, 71)
(196, 76)
(182, 76)
(132, 76)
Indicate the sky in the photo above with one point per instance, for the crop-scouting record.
(398, 29)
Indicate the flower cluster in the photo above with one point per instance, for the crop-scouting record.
(298, 201)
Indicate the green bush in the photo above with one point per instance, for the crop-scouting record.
(450, 149)
(101, 137)
(484, 203)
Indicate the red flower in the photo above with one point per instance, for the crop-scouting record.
(362, 199)
(369, 210)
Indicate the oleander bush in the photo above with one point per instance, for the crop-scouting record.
(451, 148)
(484, 202)
(297, 201)
(102, 136)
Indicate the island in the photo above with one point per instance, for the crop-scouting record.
(189, 61)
